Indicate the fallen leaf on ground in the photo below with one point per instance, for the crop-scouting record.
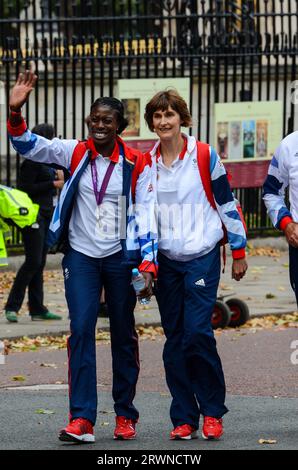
(19, 378)
(223, 286)
(264, 251)
(267, 441)
(270, 321)
(41, 411)
(103, 336)
(149, 332)
(270, 296)
(258, 269)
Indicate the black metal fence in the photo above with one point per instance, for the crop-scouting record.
(230, 50)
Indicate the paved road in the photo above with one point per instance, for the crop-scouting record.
(262, 386)
(262, 383)
(250, 419)
(255, 363)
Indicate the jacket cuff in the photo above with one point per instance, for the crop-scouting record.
(238, 254)
(149, 267)
(284, 222)
(17, 130)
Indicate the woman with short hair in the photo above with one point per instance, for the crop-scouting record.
(190, 231)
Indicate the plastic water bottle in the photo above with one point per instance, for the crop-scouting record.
(138, 283)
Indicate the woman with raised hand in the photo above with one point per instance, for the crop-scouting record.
(96, 225)
(195, 201)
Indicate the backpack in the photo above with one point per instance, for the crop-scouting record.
(203, 159)
(16, 207)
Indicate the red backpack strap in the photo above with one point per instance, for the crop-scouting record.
(78, 153)
(203, 158)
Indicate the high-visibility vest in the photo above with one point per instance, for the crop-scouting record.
(3, 253)
(16, 208)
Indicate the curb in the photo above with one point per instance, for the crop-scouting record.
(15, 262)
(145, 325)
(67, 332)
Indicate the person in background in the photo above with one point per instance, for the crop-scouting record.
(283, 173)
(40, 183)
(189, 234)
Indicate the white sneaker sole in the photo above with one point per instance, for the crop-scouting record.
(121, 438)
(211, 438)
(69, 437)
(193, 435)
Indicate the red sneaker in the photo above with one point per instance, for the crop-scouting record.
(185, 431)
(78, 430)
(125, 428)
(212, 428)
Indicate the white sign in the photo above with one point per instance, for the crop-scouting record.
(2, 93)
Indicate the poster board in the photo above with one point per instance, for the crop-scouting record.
(135, 94)
(248, 130)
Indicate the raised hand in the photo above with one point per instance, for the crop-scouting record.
(21, 90)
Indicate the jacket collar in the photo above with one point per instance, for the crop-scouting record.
(130, 154)
(114, 157)
(189, 144)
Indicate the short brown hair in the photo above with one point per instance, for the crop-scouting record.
(161, 101)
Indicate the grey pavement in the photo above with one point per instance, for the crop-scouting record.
(262, 396)
(266, 290)
(250, 419)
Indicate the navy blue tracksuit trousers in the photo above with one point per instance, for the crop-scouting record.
(186, 294)
(293, 255)
(84, 277)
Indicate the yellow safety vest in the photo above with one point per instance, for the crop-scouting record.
(16, 207)
(3, 253)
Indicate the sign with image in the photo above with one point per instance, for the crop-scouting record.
(135, 94)
(248, 130)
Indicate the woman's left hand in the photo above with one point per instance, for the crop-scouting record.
(147, 291)
(239, 268)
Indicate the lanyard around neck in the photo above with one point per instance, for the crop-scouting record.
(99, 195)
